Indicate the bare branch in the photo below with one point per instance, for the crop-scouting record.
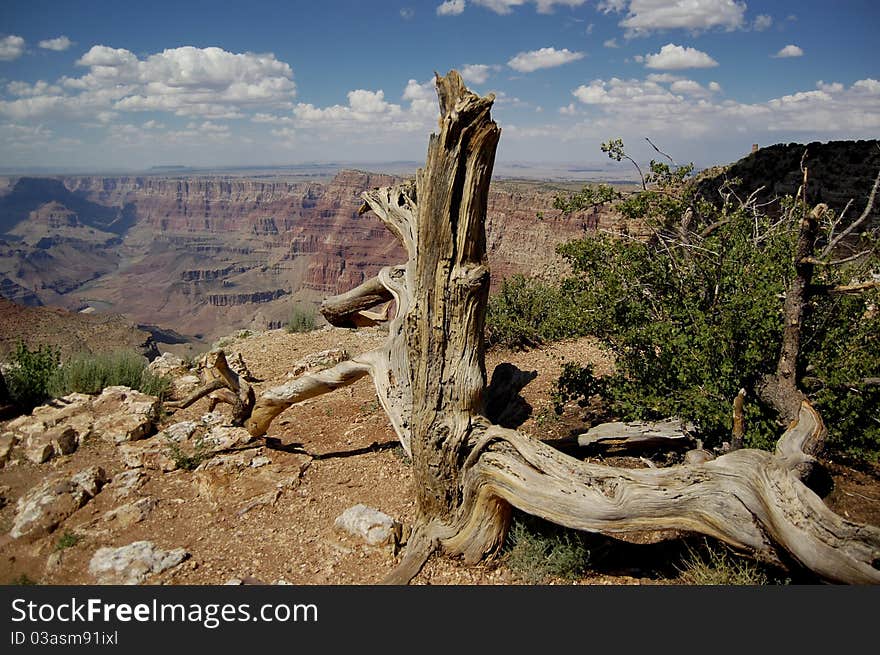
(671, 161)
(856, 223)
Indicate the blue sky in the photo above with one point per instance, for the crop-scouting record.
(113, 85)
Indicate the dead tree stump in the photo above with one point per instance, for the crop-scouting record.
(430, 378)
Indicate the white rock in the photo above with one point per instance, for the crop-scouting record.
(44, 507)
(131, 564)
(370, 524)
(180, 431)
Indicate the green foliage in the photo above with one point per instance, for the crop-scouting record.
(67, 540)
(694, 313)
(712, 565)
(23, 580)
(92, 373)
(843, 351)
(188, 461)
(29, 376)
(537, 550)
(526, 312)
(688, 327)
(302, 319)
(587, 198)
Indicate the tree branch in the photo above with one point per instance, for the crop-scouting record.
(856, 223)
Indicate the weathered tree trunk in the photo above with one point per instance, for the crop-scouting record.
(430, 378)
(781, 389)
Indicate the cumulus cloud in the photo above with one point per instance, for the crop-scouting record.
(186, 81)
(610, 43)
(38, 88)
(370, 109)
(644, 17)
(450, 8)
(407, 13)
(686, 110)
(477, 73)
(762, 22)
(527, 62)
(11, 47)
(58, 44)
(676, 57)
(789, 51)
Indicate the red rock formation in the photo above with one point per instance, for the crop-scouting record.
(201, 253)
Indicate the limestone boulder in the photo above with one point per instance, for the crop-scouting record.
(369, 524)
(123, 414)
(131, 564)
(41, 510)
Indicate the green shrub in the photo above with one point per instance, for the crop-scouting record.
(694, 313)
(29, 377)
(188, 461)
(527, 312)
(717, 565)
(302, 319)
(67, 540)
(92, 373)
(537, 550)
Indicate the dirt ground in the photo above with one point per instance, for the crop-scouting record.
(276, 522)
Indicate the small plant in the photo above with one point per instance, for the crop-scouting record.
(716, 565)
(400, 454)
(526, 312)
(538, 550)
(67, 540)
(24, 580)
(29, 377)
(302, 319)
(92, 373)
(184, 460)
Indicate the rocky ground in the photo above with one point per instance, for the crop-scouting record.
(265, 511)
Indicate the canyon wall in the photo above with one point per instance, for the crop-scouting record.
(208, 255)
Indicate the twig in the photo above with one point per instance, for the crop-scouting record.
(671, 161)
(861, 219)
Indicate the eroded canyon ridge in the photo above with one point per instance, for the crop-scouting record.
(206, 255)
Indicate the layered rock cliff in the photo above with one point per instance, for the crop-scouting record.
(206, 255)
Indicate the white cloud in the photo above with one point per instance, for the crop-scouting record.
(689, 87)
(369, 114)
(407, 13)
(714, 87)
(611, 43)
(789, 51)
(477, 73)
(186, 81)
(506, 6)
(58, 44)
(762, 22)
(831, 87)
(527, 62)
(663, 78)
(11, 47)
(683, 113)
(260, 117)
(646, 16)
(676, 57)
(153, 125)
(869, 86)
(450, 8)
(38, 88)
(568, 110)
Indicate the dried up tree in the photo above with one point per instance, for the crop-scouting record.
(469, 473)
